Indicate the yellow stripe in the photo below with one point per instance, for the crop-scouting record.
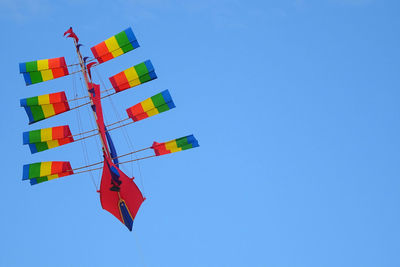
(147, 104)
(45, 168)
(51, 177)
(48, 110)
(43, 64)
(171, 146)
(43, 100)
(113, 47)
(131, 74)
(52, 143)
(47, 75)
(46, 134)
(134, 82)
(152, 112)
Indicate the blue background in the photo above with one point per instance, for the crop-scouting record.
(295, 106)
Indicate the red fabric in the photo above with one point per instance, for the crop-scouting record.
(60, 107)
(135, 111)
(68, 31)
(57, 97)
(58, 62)
(118, 80)
(160, 149)
(67, 140)
(99, 112)
(89, 66)
(129, 192)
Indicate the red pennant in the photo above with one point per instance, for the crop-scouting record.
(88, 68)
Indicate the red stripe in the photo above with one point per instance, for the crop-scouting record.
(54, 63)
(140, 117)
(63, 64)
(107, 57)
(57, 97)
(60, 107)
(160, 149)
(64, 141)
(59, 72)
(57, 132)
(101, 49)
(94, 52)
(136, 112)
(119, 79)
(56, 167)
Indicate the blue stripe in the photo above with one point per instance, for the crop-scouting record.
(167, 96)
(113, 151)
(126, 217)
(195, 144)
(190, 138)
(25, 138)
(153, 75)
(33, 148)
(27, 78)
(23, 102)
(25, 172)
(171, 105)
(33, 181)
(22, 67)
(30, 115)
(135, 44)
(115, 171)
(149, 66)
(131, 36)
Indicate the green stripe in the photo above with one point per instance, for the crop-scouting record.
(34, 136)
(141, 69)
(41, 179)
(34, 170)
(37, 113)
(188, 146)
(41, 146)
(145, 78)
(127, 48)
(123, 42)
(36, 77)
(31, 66)
(32, 101)
(180, 142)
(162, 108)
(158, 100)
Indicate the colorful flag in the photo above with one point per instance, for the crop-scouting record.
(115, 46)
(43, 139)
(45, 171)
(175, 145)
(44, 106)
(152, 106)
(43, 70)
(138, 74)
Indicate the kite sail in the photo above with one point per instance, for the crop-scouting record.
(43, 139)
(44, 171)
(115, 46)
(133, 76)
(44, 106)
(43, 70)
(175, 145)
(152, 106)
(119, 194)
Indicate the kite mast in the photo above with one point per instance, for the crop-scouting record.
(88, 87)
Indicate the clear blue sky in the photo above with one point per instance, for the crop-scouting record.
(295, 104)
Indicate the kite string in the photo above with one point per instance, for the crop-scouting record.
(84, 148)
(102, 167)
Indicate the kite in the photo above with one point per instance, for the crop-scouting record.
(119, 194)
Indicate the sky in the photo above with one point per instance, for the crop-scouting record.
(294, 104)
